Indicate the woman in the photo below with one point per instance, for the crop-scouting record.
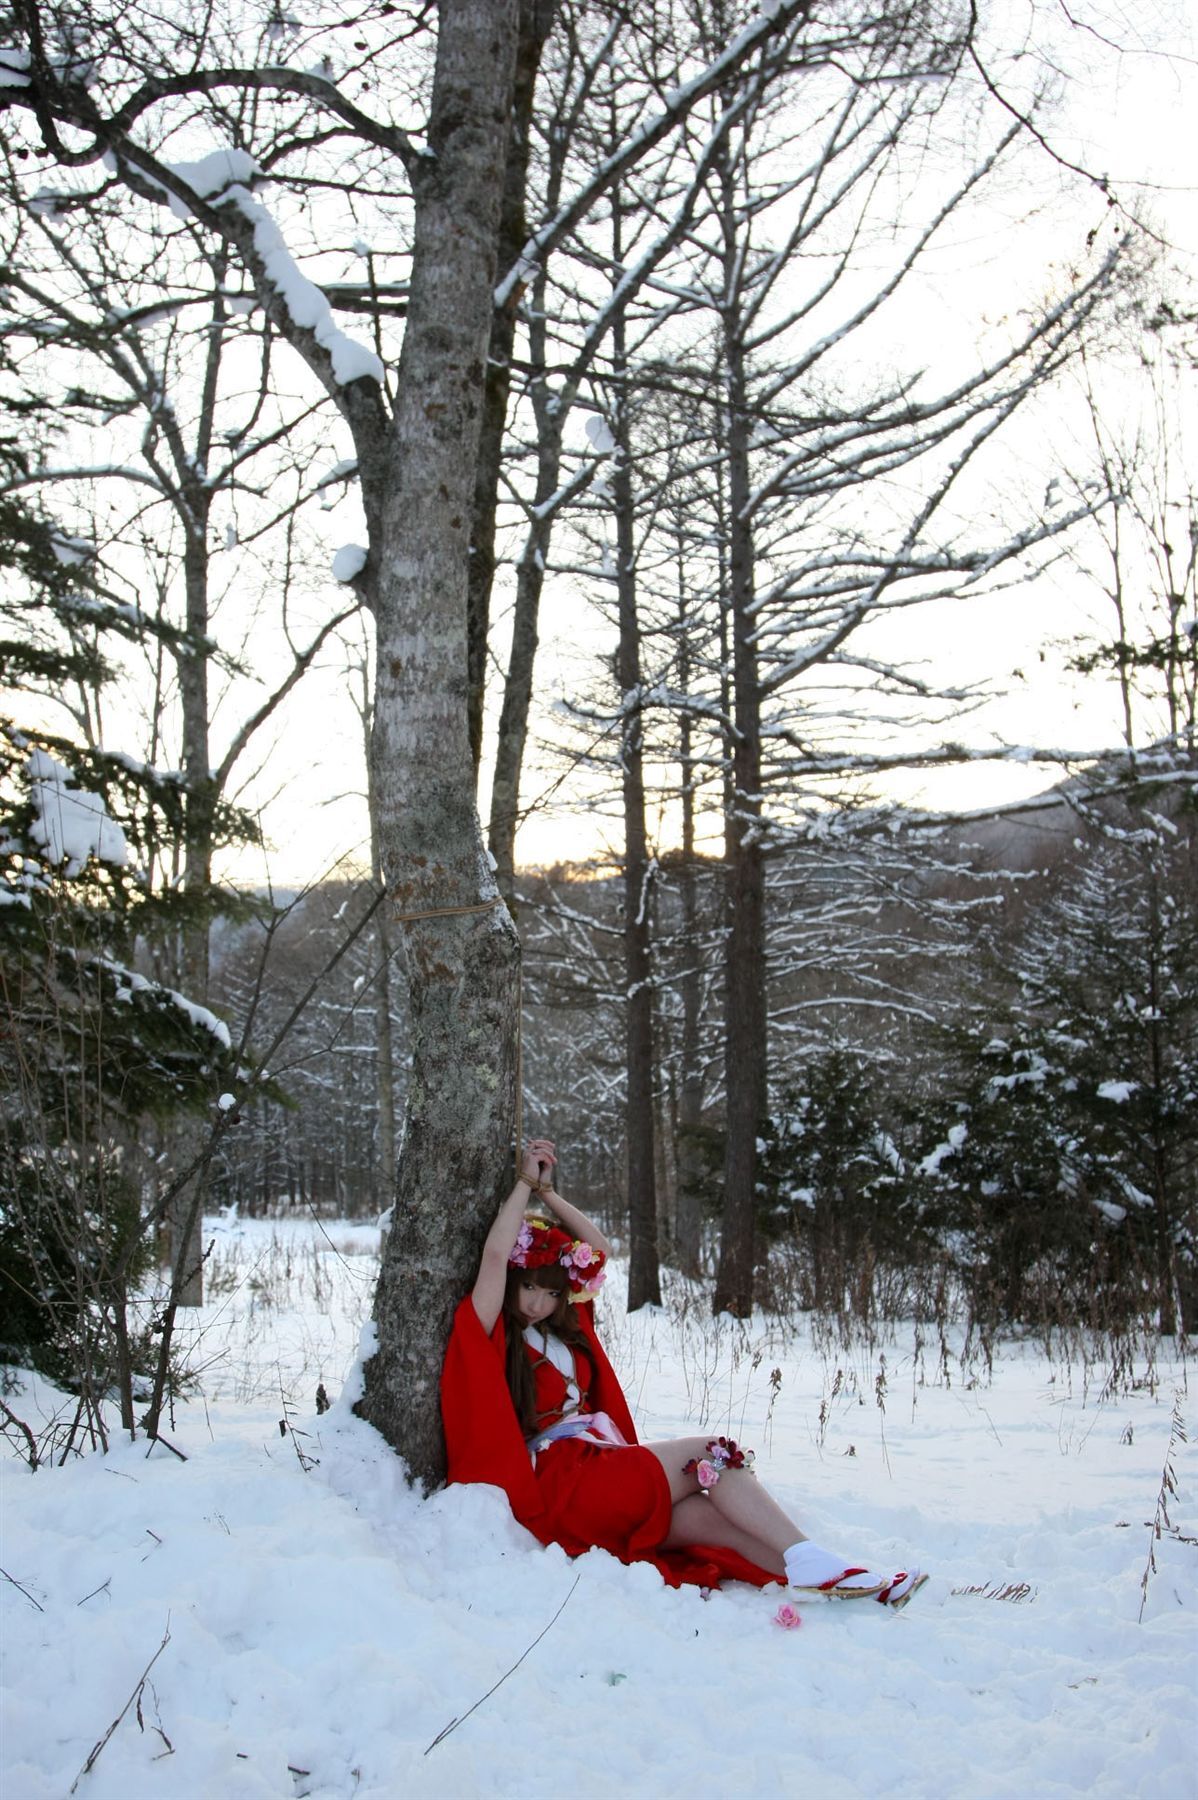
(532, 1405)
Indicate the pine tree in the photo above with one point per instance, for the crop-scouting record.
(91, 1047)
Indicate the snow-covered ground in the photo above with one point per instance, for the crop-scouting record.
(313, 1629)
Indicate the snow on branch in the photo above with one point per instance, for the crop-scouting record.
(216, 189)
(223, 177)
(129, 983)
(71, 823)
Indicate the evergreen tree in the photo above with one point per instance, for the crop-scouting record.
(1000, 1185)
(1064, 1174)
(1111, 975)
(832, 1181)
(91, 1047)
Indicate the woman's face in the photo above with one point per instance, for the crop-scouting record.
(535, 1303)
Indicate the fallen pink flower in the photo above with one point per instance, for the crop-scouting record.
(788, 1617)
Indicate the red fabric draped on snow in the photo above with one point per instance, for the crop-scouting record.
(578, 1496)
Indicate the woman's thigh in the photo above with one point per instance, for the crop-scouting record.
(672, 1455)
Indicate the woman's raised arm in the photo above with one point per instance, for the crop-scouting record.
(536, 1166)
(576, 1222)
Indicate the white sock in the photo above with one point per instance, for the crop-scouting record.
(808, 1565)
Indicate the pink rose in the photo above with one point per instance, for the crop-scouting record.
(522, 1245)
(706, 1474)
(584, 1255)
(788, 1617)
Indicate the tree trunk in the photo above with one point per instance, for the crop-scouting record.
(644, 1277)
(1164, 1233)
(550, 406)
(536, 22)
(517, 687)
(463, 970)
(384, 1036)
(384, 1040)
(744, 959)
(688, 1207)
(185, 1220)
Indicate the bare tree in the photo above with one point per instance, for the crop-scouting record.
(141, 353)
(822, 546)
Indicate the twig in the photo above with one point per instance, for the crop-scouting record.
(170, 1748)
(1177, 1435)
(880, 1398)
(454, 1723)
(307, 1463)
(1014, 1591)
(352, 1273)
(21, 1590)
(156, 1437)
(135, 1696)
(21, 1426)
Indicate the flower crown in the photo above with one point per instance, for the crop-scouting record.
(538, 1244)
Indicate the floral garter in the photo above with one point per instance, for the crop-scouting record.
(718, 1454)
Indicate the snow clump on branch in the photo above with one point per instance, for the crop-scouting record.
(302, 298)
(349, 562)
(72, 824)
(223, 177)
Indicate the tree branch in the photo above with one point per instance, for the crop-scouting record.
(299, 668)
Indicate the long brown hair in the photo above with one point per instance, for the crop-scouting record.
(562, 1322)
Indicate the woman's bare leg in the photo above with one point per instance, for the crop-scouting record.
(738, 1498)
(696, 1521)
(737, 1513)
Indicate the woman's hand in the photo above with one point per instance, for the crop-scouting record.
(537, 1163)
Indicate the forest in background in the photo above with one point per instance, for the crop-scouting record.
(796, 1037)
(977, 1102)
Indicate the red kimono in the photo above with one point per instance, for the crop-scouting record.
(579, 1495)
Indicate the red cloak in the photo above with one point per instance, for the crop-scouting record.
(579, 1495)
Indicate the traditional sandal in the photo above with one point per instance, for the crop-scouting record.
(816, 1574)
(905, 1585)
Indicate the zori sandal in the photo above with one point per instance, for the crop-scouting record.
(904, 1587)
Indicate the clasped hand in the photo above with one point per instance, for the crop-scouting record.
(537, 1163)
